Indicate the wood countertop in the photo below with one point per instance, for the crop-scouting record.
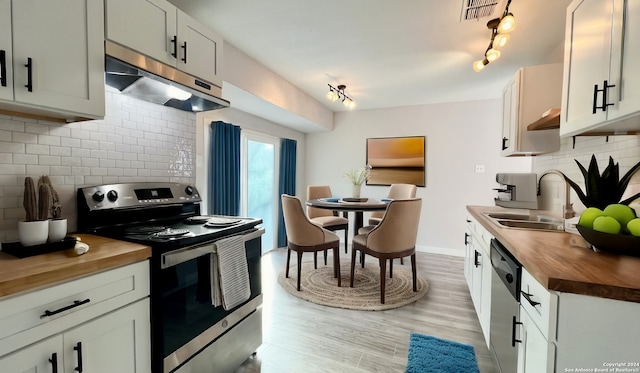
(18, 275)
(557, 265)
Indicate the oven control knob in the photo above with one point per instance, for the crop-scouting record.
(188, 190)
(112, 195)
(98, 196)
(509, 277)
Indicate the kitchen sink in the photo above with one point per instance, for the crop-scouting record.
(509, 216)
(525, 221)
(537, 225)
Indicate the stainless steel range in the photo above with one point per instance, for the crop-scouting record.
(190, 330)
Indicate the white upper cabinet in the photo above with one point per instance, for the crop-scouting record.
(532, 92)
(158, 29)
(6, 64)
(53, 58)
(601, 87)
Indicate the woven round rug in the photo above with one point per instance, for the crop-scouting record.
(319, 286)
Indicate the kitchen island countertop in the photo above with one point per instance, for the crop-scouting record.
(557, 265)
(18, 275)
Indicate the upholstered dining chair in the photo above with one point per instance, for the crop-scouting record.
(304, 236)
(394, 237)
(327, 219)
(396, 191)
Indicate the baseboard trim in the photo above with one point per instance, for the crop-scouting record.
(439, 250)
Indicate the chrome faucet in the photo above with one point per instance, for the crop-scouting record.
(567, 206)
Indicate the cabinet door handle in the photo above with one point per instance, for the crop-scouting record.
(174, 40)
(54, 362)
(504, 143)
(605, 91)
(595, 98)
(184, 46)
(475, 259)
(466, 238)
(29, 67)
(78, 347)
(75, 304)
(528, 296)
(3, 68)
(513, 332)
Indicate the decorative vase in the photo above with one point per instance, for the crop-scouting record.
(57, 229)
(33, 232)
(356, 190)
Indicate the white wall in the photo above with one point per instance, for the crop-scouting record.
(459, 136)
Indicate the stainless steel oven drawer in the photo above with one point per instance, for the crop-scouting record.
(228, 352)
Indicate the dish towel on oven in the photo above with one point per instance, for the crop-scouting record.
(229, 273)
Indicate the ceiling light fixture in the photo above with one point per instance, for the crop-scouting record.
(500, 29)
(335, 94)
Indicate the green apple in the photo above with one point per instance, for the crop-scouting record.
(606, 224)
(622, 213)
(633, 226)
(588, 216)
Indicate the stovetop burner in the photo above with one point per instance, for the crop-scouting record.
(170, 232)
(145, 229)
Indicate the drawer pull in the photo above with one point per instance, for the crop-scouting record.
(54, 362)
(528, 296)
(466, 238)
(475, 259)
(78, 347)
(75, 304)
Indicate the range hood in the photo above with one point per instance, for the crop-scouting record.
(144, 78)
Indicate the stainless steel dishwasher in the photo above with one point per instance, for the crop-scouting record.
(505, 302)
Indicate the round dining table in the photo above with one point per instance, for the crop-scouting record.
(351, 205)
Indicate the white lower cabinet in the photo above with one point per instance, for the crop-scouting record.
(44, 356)
(565, 332)
(98, 323)
(534, 351)
(477, 266)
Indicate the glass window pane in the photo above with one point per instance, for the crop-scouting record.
(260, 185)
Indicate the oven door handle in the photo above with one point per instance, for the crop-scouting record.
(180, 256)
(253, 235)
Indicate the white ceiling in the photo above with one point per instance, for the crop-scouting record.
(387, 53)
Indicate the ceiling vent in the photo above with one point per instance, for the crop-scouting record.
(473, 10)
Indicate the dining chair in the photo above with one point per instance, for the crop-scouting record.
(394, 237)
(396, 191)
(327, 219)
(305, 236)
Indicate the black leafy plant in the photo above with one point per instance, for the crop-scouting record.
(603, 189)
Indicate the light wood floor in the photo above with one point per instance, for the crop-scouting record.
(299, 336)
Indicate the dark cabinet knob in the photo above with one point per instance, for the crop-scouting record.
(98, 196)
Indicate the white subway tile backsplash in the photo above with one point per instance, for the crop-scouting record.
(135, 142)
(24, 138)
(37, 149)
(50, 160)
(11, 147)
(37, 170)
(49, 140)
(25, 159)
(90, 162)
(5, 135)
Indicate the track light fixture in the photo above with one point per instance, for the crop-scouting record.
(500, 29)
(335, 94)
